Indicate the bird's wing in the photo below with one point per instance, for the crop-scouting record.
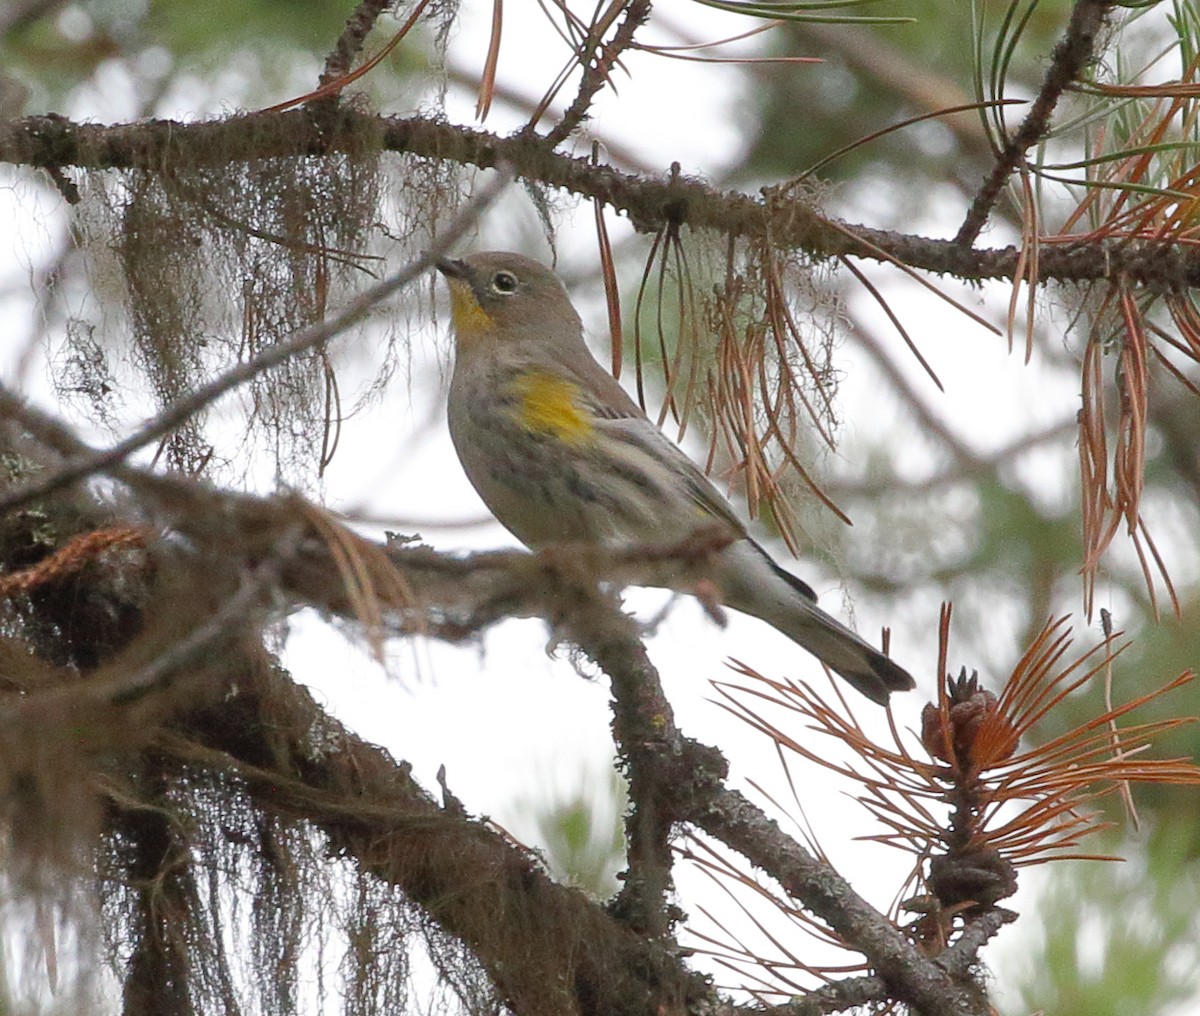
(617, 415)
(700, 489)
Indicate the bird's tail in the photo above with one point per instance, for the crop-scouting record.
(789, 605)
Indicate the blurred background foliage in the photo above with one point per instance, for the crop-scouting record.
(998, 540)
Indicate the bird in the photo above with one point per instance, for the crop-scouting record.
(560, 453)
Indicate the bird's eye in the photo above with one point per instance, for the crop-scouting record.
(504, 282)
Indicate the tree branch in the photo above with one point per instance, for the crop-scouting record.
(964, 953)
(909, 975)
(682, 782)
(549, 950)
(596, 69)
(657, 761)
(692, 776)
(675, 778)
(837, 996)
(358, 26)
(1160, 266)
(1071, 56)
(91, 463)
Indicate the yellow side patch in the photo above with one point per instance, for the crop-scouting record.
(470, 320)
(548, 405)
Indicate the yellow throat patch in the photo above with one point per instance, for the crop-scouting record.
(548, 405)
(470, 320)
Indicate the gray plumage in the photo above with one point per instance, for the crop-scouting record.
(559, 452)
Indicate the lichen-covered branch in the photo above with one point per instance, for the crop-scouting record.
(86, 462)
(909, 975)
(656, 760)
(549, 950)
(691, 782)
(649, 203)
(675, 780)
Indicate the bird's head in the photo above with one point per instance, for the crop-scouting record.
(496, 295)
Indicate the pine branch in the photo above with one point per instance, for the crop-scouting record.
(657, 761)
(650, 204)
(908, 974)
(677, 779)
(693, 774)
(548, 949)
(90, 463)
(1074, 52)
(597, 59)
(853, 992)
(350, 43)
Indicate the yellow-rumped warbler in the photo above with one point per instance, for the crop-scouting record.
(559, 452)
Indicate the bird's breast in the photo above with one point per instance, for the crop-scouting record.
(551, 405)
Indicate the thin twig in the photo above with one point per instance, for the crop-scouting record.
(524, 105)
(1073, 53)
(350, 42)
(908, 394)
(598, 58)
(971, 466)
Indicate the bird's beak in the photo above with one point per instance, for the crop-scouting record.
(452, 268)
